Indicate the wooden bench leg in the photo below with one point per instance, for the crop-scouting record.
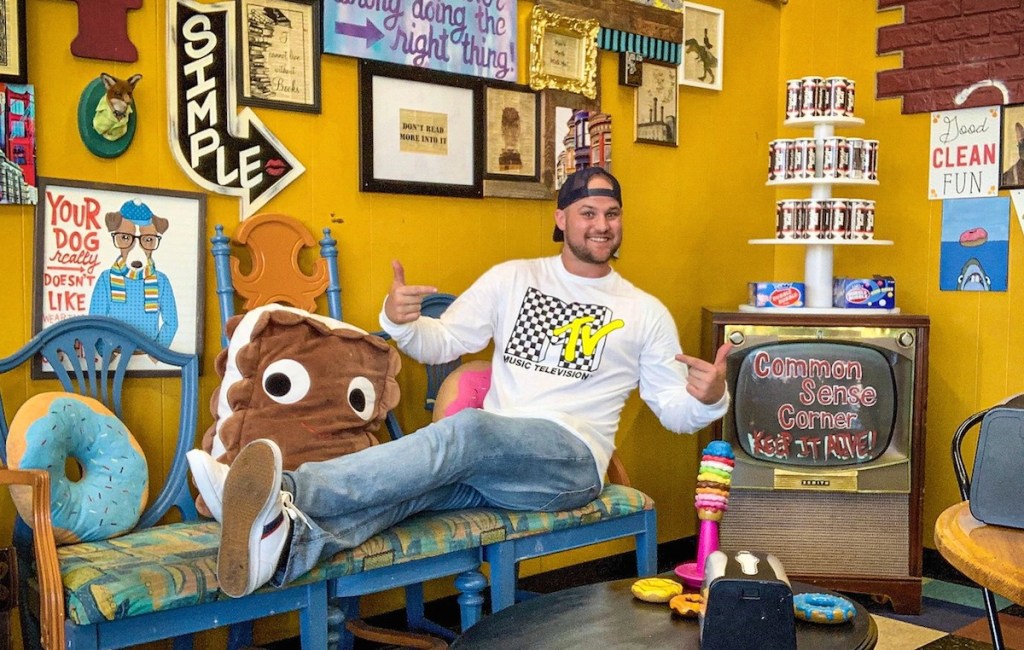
(471, 585)
(501, 557)
(339, 612)
(313, 617)
(647, 546)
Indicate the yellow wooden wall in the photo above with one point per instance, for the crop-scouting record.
(689, 213)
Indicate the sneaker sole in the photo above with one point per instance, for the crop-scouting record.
(249, 492)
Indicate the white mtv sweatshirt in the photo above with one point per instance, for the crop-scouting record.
(566, 348)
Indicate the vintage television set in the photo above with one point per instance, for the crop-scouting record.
(827, 424)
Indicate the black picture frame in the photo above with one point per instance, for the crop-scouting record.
(258, 81)
(443, 118)
(14, 50)
(73, 251)
(1011, 147)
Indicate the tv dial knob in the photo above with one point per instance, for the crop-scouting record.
(905, 339)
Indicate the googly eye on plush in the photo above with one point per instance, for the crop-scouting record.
(362, 397)
(286, 381)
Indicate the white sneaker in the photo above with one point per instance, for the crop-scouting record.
(257, 518)
(208, 475)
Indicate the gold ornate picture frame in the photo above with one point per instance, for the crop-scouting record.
(563, 52)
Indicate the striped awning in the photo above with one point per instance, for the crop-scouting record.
(654, 49)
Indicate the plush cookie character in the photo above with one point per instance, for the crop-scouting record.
(316, 386)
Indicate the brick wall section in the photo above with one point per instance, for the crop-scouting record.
(948, 45)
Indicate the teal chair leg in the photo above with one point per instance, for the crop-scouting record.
(647, 546)
(313, 617)
(502, 558)
(339, 611)
(471, 585)
(415, 614)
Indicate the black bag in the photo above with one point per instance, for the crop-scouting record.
(997, 482)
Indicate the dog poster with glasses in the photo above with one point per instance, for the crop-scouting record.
(130, 253)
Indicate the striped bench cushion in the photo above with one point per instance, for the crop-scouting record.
(176, 565)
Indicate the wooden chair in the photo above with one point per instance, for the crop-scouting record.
(963, 480)
(159, 580)
(274, 243)
(619, 511)
(388, 560)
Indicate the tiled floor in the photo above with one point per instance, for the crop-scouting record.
(952, 618)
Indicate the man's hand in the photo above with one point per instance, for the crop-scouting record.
(403, 303)
(706, 381)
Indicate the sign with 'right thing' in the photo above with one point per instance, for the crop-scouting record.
(963, 153)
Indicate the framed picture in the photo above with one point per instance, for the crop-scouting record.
(279, 42)
(1011, 145)
(18, 131)
(130, 253)
(420, 131)
(512, 133)
(13, 42)
(563, 52)
(657, 105)
(513, 123)
(567, 135)
(703, 31)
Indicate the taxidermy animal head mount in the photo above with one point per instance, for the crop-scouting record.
(119, 92)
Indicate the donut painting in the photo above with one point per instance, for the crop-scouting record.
(975, 249)
(973, 237)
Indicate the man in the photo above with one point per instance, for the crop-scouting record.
(572, 339)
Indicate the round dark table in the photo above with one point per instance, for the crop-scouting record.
(605, 615)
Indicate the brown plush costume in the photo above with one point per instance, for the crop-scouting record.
(317, 387)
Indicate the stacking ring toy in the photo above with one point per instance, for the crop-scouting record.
(823, 608)
(656, 590)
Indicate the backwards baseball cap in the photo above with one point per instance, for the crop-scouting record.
(575, 188)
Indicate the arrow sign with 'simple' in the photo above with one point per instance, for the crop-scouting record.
(220, 149)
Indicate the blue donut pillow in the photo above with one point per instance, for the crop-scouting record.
(108, 499)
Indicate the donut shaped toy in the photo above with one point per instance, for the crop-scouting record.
(108, 499)
(823, 608)
(656, 590)
(686, 605)
(463, 388)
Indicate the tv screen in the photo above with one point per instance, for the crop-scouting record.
(814, 403)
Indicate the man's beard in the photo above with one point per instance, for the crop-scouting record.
(584, 255)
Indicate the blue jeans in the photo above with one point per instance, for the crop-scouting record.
(468, 460)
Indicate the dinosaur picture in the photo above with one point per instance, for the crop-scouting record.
(702, 46)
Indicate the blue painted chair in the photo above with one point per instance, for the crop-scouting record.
(159, 580)
(619, 511)
(433, 545)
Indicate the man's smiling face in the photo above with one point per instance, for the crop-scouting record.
(592, 226)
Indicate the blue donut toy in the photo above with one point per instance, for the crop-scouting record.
(823, 608)
(112, 491)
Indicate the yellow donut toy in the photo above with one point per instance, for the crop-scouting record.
(686, 605)
(656, 590)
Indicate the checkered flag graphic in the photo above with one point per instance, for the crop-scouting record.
(540, 315)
